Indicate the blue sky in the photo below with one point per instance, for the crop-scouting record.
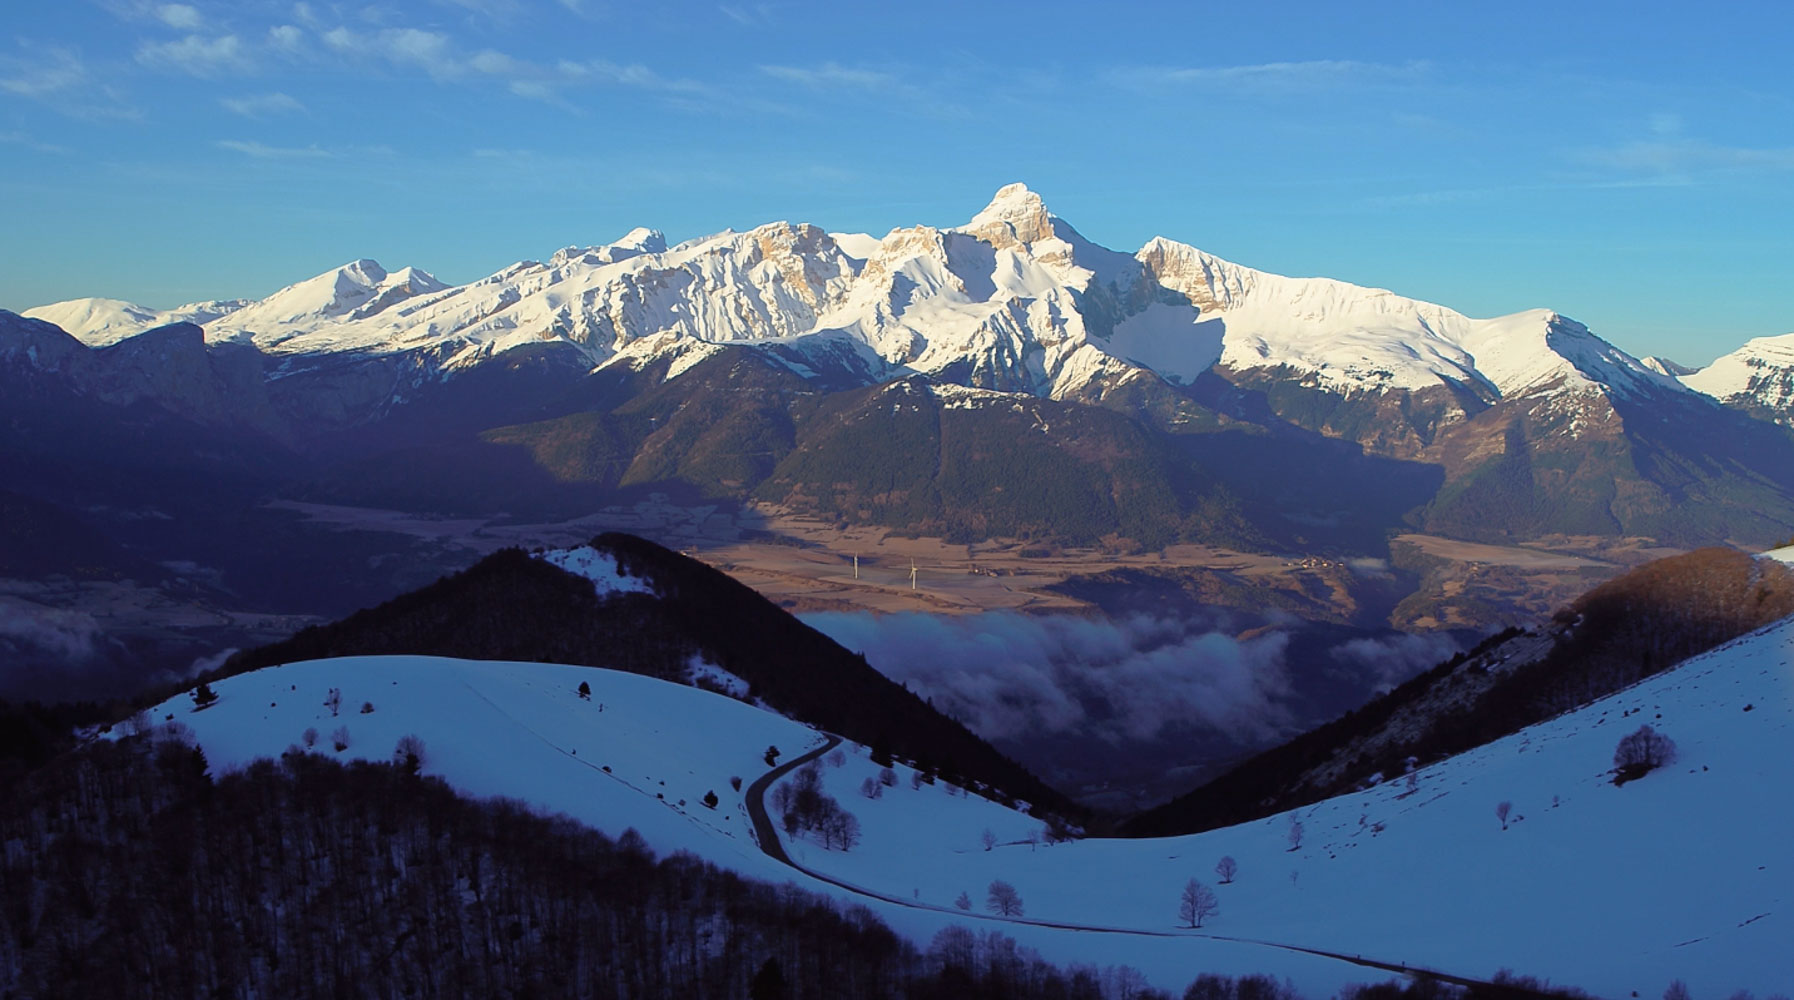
(1630, 165)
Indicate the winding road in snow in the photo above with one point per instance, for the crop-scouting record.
(764, 832)
(767, 835)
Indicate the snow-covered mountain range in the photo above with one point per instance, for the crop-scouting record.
(1183, 391)
(1014, 300)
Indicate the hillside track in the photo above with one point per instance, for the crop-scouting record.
(766, 833)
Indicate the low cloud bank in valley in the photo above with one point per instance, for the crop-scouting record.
(1008, 675)
(70, 635)
(1387, 661)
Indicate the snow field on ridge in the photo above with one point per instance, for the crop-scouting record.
(599, 567)
(521, 731)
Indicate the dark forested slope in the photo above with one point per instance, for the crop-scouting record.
(1625, 630)
(511, 606)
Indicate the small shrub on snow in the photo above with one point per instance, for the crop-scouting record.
(1641, 752)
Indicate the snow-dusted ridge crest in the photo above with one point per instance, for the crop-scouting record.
(1014, 300)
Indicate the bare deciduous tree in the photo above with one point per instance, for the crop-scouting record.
(887, 778)
(1678, 990)
(1003, 900)
(310, 737)
(408, 753)
(1295, 834)
(871, 789)
(1501, 811)
(988, 839)
(964, 901)
(1640, 753)
(1197, 903)
(1227, 868)
(340, 738)
(333, 700)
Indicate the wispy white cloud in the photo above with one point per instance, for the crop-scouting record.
(897, 91)
(31, 143)
(179, 15)
(1273, 78)
(433, 52)
(262, 105)
(834, 75)
(496, 63)
(497, 10)
(197, 55)
(61, 73)
(1452, 196)
(747, 14)
(629, 75)
(59, 79)
(287, 38)
(261, 151)
(1674, 155)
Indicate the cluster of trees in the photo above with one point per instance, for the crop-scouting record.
(129, 871)
(1505, 985)
(874, 787)
(804, 807)
(510, 606)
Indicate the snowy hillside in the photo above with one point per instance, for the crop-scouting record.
(1014, 300)
(1760, 375)
(1685, 873)
(641, 754)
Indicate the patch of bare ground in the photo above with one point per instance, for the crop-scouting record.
(1475, 585)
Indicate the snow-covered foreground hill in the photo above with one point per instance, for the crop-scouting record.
(1686, 873)
(520, 730)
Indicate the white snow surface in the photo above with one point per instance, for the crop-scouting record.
(519, 730)
(1686, 873)
(599, 567)
(104, 322)
(1781, 555)
(1014, 300)
(1760, 372)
